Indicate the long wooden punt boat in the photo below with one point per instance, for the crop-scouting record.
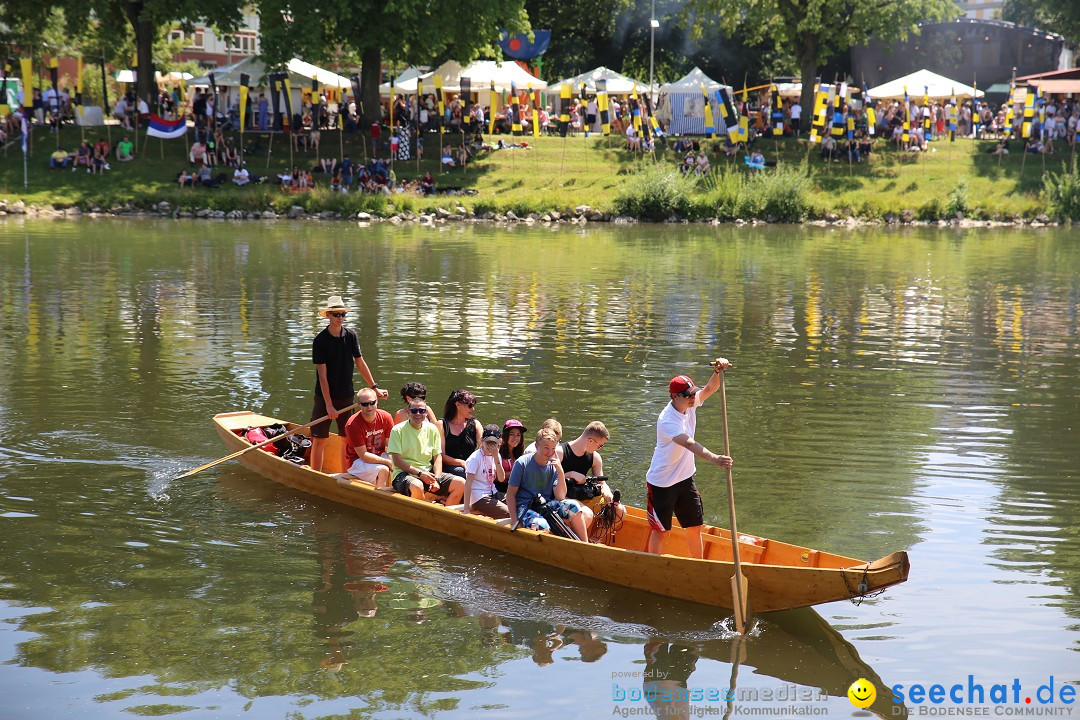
(780, 576)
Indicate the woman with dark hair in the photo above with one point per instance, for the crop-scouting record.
(414, 391)
(513, 447)
(461, 431)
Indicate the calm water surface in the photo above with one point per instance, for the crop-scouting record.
(893, 391)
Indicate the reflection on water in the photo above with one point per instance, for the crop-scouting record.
(892, 391)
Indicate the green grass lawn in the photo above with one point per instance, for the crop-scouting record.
(555, 173)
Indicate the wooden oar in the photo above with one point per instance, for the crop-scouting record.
(238, 453)
(738, 581)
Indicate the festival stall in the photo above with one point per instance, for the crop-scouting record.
(617, 84)
(681, 105)
(923, 83)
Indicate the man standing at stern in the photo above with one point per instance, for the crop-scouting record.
(670, 477)
(334, 351)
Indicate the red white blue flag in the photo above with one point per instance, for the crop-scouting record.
(167, 129)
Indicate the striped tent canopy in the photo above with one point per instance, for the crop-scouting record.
(681, 105)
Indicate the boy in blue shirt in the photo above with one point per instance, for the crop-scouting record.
(539, 473)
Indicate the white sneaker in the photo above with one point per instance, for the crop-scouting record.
(107, 166)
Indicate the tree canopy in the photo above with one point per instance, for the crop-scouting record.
(380, 31)
(1058, 16)
(816, 30)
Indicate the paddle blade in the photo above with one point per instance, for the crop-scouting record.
(738, 599)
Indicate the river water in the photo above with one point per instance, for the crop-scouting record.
(894, 390)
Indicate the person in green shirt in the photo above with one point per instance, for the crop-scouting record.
(125, 150)
(415, 448)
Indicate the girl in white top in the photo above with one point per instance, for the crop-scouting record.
(482, 469)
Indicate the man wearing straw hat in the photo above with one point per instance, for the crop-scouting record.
(670, 479)
(334, 351)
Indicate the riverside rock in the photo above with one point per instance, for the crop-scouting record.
(294, 212)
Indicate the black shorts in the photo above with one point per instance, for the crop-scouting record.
(322, 430)
(401, 484)
(682, 499)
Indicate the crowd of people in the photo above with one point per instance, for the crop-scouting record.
(488, 469)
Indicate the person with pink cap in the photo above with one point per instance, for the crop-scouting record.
(670, 479)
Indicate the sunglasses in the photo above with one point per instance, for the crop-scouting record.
(368, 404)
(418, 411)
(469, 405)
(687, 394)
(337, 315)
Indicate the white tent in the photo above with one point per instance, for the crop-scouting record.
(682, 106)
(617, 84)
(923, 82)
(128, 76)
(481, 74)
(300, 75)
(410, 73)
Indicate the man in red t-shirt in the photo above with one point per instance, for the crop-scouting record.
(366, 434)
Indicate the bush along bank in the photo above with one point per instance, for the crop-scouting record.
(649, 192)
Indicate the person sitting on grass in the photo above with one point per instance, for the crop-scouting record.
(186, 179)
(102, 146)
(427, 184)
(125, 150)
(99, 163)
(231, 154)
(335, 182)
(448, 157)
(59, 159)
(241, 176)
(83, 156)
(328, 165)
(198, 153)
(206, 177)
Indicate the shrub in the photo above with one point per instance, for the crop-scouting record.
(655, 192)
(930, 210)
(1061, 191)
(782, 195)
(958, 203)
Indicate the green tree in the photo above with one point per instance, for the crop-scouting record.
(1057, 15)
(815, 30)
(374, 32)
(148, 21)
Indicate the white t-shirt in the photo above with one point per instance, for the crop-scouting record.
(671, 462)
(796, 111)
(483, 467)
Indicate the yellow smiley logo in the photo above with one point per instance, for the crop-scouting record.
(862, 693)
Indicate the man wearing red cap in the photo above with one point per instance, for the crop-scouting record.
(671, 473)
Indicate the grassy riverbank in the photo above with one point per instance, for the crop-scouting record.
(555, 174)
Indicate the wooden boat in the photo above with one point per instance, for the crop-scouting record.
(780, 576)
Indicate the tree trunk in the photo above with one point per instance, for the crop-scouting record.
(370, 77)
(807, 53)
(145, 87)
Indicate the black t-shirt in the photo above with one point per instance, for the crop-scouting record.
(337, 353)
(463, 445)
(576, 463)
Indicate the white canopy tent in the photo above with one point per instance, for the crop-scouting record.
(300, 75)
(682, 107)
(128, 76)
(481, 74)
(923, 82)
(617, 84)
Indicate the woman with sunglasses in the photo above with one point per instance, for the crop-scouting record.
(461, 431)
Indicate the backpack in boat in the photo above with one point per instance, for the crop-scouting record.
(256, 435)
(294, 448)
